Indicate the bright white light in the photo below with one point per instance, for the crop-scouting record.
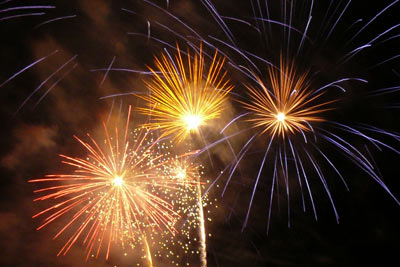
(192, 122)
(280, 117)
(181, 174)
(118, 181)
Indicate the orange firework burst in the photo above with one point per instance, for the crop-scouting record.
(180, 99)
(290, 107)
(115, 195)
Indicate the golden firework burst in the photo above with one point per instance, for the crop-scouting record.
(181, 99)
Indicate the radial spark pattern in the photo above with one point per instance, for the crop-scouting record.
(289, 107)
(116, 195)
(181, 100)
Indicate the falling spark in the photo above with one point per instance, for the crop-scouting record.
(202, 228)
(148, 252)
(189, 174)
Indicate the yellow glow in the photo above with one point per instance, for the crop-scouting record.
(118, 181)
(192, 122)
(186, 92)
(280, 117)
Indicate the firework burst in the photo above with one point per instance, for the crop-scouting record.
(121, 196)
(290, 107)
(115, 196)
(181, 100)
(288, 113)
(291, 112)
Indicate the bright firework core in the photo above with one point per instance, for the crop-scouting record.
(181, 174)
(118, 181)
(280, 117)
(192, 121)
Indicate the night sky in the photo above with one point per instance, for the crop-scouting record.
(38, 123)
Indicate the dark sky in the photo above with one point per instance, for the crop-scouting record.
(94, 33)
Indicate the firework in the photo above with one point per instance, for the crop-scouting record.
(115, 195)
(191, 203)
(181, 100)
(148, 253)
(202, 228)
(287, 105)
(189, 173)
(290, 107)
